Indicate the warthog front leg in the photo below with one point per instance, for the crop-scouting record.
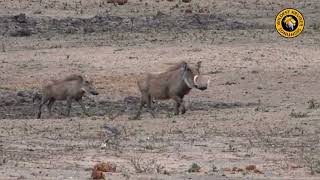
(178, 101)
(182, 107)
(69, 102)
(49, 106)
(83, 107)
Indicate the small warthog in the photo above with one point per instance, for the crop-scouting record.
(174, 84)
(71, 88)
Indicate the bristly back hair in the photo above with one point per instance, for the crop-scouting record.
(176, 66)
(73, 77)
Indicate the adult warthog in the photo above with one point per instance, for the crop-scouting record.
(174, 84)
(71, 88)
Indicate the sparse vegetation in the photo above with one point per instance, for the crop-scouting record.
(146, 166)
(315, 168)
(194, 168)
(295, 114)
(312, 163)
(312, 104)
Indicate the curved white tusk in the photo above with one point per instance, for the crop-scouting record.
(84, 90)
(195, 79)
(188, 84)
(208, 82)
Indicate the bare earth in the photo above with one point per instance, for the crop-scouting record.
(255, 112)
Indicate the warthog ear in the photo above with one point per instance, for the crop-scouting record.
(184, 66)
(199, 64)
(83, 90)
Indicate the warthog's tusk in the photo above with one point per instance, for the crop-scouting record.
(208, 82)
(195, 79)
(84, 90)
(188, 84)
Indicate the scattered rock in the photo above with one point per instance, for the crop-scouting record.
(215, 72)
(226, 169)
(229, 83)
(88, 30)
(119, 2)
(37, 12)
(100, 168)
(20, 32)
(203, 10)
(236, 169)
(105, 167)
(21, 18)
(188, 11)
(257, 171)
(294, 166)
(250, 167)
(247, 169)
(97, 175)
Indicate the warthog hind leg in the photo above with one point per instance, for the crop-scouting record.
(69, 102)
(143, 101)
(43, 101)
(149, 101)
(137, 116)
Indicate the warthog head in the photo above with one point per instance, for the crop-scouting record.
(192, 77)
(87, 86)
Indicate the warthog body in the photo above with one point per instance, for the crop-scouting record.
(70, 88)
(174, 84)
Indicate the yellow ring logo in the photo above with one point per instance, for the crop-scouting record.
(289, 23)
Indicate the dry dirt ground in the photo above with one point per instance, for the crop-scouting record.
(261, 107)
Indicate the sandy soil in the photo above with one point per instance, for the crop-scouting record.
(261, 107)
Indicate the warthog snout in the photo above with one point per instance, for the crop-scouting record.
(95, 93)
(89, 87)
(201, 82)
